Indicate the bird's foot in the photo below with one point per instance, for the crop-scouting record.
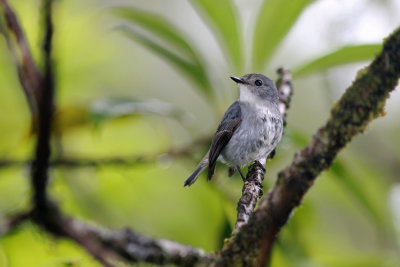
(241, 174)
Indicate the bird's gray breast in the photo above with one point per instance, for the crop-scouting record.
(257, 135)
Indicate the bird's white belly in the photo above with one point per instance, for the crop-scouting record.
(255, 138)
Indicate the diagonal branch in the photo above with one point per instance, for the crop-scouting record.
(122, 244)
(251, 244)
(10, 223)
(363, 101)
(135, 247)
(252, 188)
(28, 73)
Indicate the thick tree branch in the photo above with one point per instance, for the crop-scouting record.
(41, 162)
(135, 247)
(251, 244)
(125, 245)
(363, 101)
(252, 188)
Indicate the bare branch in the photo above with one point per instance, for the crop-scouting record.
(101, 245)
(252, 242)
(10, 223)
(183, 152)
(41, 162)
(285, 90)
(117, 244)
(45, 212)
(28, 73)
(138, 248)
(363, 101)
(252, 188)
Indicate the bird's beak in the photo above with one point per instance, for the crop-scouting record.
(237, 80)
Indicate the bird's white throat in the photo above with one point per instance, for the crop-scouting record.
(246, 95)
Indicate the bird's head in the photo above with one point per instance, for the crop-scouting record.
(256, 88)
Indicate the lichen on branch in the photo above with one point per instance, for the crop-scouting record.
(362, 102)
(251, 245)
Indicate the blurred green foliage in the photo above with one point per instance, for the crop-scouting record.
(106, 86)
(225, 22)
(183, 56)
(275, 19)
(344, 55)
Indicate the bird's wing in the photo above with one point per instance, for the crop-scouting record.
(229, 123)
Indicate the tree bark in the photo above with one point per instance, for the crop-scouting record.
(251, 244)
(362, 102)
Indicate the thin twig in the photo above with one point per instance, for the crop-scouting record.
(252, 188)
(11, 222)
(28, 73)
(363, 101)
(285, 91)
(183, 152)
(251, 245)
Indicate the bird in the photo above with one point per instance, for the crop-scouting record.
(249, 130)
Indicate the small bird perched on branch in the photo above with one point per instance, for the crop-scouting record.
(250, 129)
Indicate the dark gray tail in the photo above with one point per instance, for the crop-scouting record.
(196, 173)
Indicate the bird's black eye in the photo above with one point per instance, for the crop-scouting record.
(258, 83)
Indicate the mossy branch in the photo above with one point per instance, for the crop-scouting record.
(362, 102)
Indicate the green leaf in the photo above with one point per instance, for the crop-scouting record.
(223, 17)
(275, 19)
(158, 26)
(191, 70)
(168, 43)
(344, 55)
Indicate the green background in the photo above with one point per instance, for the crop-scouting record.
(182, 53)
